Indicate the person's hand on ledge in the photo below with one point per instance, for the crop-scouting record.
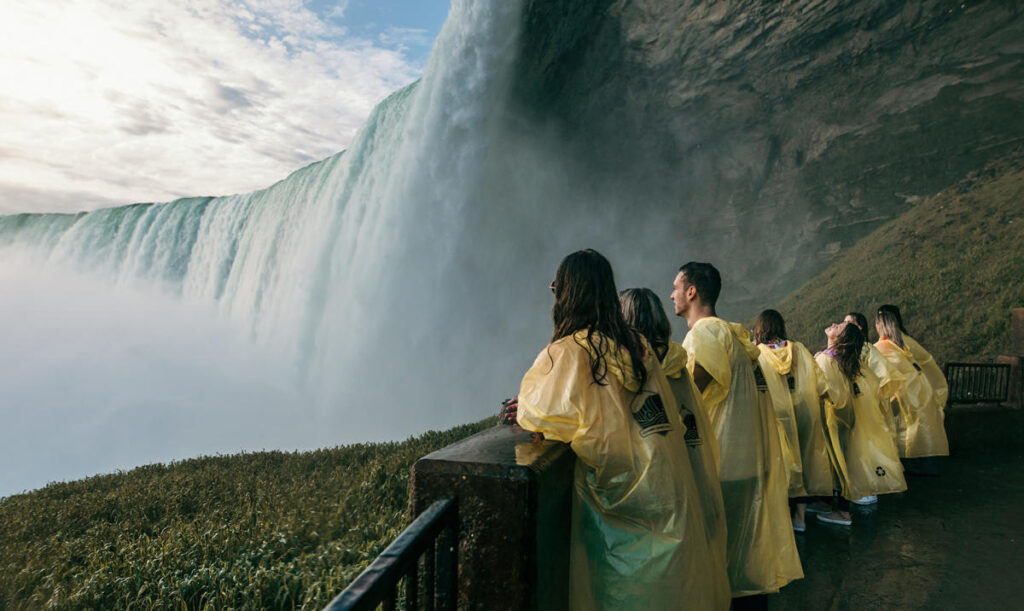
(509, 409)
(507, 416)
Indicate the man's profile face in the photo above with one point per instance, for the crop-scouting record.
(683, 294)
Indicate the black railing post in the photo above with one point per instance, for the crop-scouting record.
(448, 567)
(429, 574)
(412, 588)
(378, 584)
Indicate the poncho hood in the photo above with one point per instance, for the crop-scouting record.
(781, 358)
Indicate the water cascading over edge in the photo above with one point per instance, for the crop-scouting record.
(322, 269)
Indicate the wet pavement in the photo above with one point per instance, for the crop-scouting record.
(950, 542)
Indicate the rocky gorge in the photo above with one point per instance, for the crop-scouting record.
(772, 135)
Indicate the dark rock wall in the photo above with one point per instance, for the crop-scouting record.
(771, 135)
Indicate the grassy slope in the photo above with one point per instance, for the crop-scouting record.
(954, 264)
(258, 530)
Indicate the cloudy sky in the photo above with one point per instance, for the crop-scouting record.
(106, 102)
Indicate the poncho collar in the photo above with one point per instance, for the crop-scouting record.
(742, 335)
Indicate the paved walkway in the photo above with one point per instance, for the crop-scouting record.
(949, 542)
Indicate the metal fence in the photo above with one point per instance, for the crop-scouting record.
(425, 554)
(978, 382)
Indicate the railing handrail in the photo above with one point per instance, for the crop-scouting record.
(400, 559)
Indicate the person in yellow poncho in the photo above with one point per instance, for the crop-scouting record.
(924, 359)
(923, 465)
(638, 531)
(890, 381)
(864, 459)
(920, 423)
(761, 549)
(792, 378)
(642, 310)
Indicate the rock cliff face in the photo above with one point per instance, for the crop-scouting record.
(769, 136)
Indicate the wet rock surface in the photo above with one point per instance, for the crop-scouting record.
(769, 136)
(949, 542)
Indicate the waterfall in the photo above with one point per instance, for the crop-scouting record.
(318, 274)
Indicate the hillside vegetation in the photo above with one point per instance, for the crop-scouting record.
(954, 263)
(255, 530)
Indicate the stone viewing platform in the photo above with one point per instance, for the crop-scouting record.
(949, 542)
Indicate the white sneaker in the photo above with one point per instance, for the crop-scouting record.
(868, 500)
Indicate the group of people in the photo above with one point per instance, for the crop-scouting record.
(696, 462)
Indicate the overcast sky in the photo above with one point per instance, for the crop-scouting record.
(108, 102)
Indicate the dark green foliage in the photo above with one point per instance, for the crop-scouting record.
(256, 530)
(954, 264)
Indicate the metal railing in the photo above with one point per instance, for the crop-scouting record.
(978, 382)
(424, 554)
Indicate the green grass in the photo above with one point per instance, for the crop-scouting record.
(954, 263)
(254, 530)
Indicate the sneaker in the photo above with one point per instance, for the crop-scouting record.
(868, 500)
(819, 507)
(834, 518)
(799, 527)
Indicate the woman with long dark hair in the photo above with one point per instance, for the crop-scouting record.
(792, 378)
(638, 535)
(890, 380)
(643, 311)
(920, 426)
(863, 457)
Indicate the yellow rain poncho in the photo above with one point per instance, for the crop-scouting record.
(864, 456)
(702, 448)
(890, 381)
(931, 371)
(785, 422)
(638, 531)
(920, 429)
(792, 378)
(761, 549)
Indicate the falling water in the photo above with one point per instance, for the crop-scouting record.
(288, 317)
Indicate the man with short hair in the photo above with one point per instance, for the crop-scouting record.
(761, 550)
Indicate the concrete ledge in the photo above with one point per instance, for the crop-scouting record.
(515, 501)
